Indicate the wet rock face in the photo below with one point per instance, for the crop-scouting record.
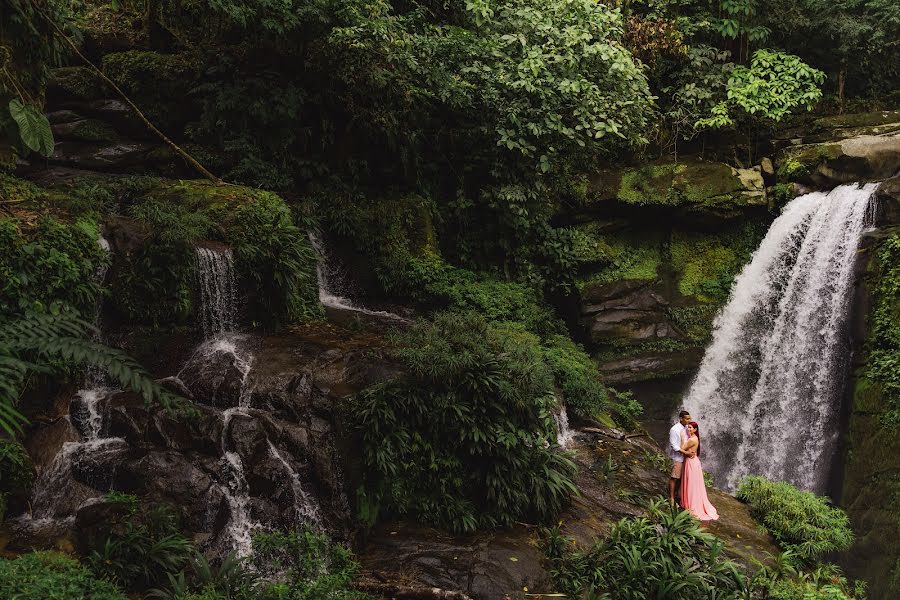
(271, 403)
(627, 311)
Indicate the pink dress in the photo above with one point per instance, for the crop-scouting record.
(693, 491)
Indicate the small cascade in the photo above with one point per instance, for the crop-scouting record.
(305, 505)
(57, 493)
(218, 296)
(329, 281)
(768, 392)
(564, 434)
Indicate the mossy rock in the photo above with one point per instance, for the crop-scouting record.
(692, 186)
(799, 163)
(87, 130)
(76, 83)
(624, 253)
(18, 191)
(162, 82)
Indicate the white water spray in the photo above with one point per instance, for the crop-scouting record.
(768, 391)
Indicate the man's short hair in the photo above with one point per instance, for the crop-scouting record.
(683, 413)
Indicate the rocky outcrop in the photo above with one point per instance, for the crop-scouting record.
(855, 159)
(617, 476)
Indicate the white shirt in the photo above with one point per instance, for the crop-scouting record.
(676, 434)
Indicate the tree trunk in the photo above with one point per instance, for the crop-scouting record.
(842, 76)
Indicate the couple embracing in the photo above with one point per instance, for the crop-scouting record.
(684, 450)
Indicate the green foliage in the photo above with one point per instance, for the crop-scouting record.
(44, 575)
(34, 128)
(576, 375)
(463, 439)
(883, 345)
(774, 85)
(49, 267)
(29, 344)
(16, 470)
(308, 563)
(146, 550)
(295, 565)
(274, 259)
(663, 555)
(801, 522)
(546, 81)
(153, 80)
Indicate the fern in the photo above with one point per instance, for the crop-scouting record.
(29, 343)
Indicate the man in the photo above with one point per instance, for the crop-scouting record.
(676, 438)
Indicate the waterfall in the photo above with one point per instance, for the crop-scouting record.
(218, 298)
(329, 281)
(56, 493)
(305, 505)
(564, 434)
(768, 392)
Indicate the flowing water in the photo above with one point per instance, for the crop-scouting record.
(218, 296)
(768, 392)
(331, 281)
(564, 434)
(57, 493)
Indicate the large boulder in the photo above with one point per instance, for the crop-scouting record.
(856, 159)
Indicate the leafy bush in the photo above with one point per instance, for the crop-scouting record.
(462, 440)
(295, 565)
(144, 552)
(308, 564)
(16, 470)
(799, 521)
(43, 575)
(663, 555)
(49, 267)
(577, 376)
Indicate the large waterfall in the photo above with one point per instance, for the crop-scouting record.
(768, 392)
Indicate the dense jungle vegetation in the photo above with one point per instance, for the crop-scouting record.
(440, 143)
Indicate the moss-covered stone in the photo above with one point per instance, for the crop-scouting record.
(799, 163)
(692, 186)
(626, 254)
(93, 130)
(77, 83)
(18, 191)
(156, 79)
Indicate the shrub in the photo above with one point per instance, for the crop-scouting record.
(143, 553)
(799, 521)
(16, 470)
(308, 564)
(43, 575)
(463, 439)
(663, 555)
(577, 376)
(49, 267)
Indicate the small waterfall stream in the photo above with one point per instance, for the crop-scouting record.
(768, 392)
(329, 281)
(564, 434)
(56, 493)
(218, 297)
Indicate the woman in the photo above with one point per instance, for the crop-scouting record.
(693, 488)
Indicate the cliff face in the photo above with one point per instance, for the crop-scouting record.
(870, 490)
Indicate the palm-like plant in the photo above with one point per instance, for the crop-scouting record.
(32, 343)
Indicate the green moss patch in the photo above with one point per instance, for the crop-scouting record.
(703, 184)
(798, 164)
(629, 255)
(80, 83)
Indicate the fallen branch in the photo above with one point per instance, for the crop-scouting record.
(404, 592)
(187, 157)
